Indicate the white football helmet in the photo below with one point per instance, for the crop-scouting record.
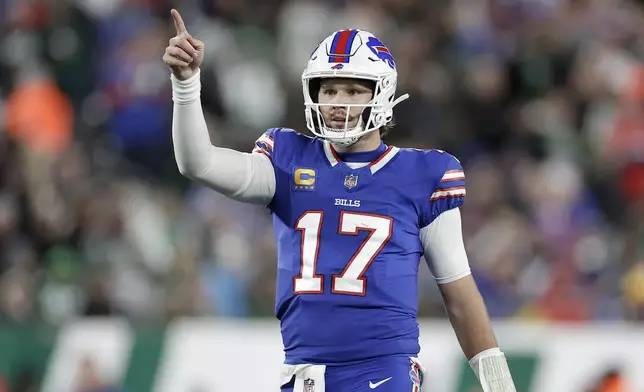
(351, 54)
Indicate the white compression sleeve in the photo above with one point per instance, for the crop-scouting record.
(444, 249)
(238, 175)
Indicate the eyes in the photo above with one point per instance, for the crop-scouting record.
(352, 92)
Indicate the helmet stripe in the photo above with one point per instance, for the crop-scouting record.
(341, 46)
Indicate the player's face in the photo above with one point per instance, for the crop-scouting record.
(342, 92)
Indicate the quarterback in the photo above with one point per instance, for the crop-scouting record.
(352, 217)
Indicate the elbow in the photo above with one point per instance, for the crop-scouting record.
(190, 171)
(190, 167)
(185, 170)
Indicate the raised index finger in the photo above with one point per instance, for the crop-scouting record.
(178, 22)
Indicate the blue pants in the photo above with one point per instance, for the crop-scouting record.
(388, 374)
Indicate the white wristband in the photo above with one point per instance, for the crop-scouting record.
(186, 91)
(491, 368)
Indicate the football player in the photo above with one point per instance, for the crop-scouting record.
(352, 217)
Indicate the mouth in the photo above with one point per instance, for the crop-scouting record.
(339, 122)
(337, 125)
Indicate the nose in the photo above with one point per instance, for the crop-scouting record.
(339, 99)
(339, 112)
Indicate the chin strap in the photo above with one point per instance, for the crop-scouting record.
(344, 142)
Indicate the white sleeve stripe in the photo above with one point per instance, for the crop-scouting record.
(452, 178)
(448, 192)
(263, 145)
(259, 148)
(262, 151)
(266, 140)
(452, 175)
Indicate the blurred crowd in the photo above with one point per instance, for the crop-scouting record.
(541, 100)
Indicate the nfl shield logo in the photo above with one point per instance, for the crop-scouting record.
(351, 181)
(309, 385)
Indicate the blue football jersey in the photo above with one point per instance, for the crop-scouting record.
(348, 244)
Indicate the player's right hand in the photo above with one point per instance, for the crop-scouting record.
(184, 54)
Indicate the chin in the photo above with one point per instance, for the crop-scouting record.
(339, 125)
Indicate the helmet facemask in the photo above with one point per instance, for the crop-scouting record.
(375, 114)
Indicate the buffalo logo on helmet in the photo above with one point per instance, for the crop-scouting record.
(381, 51)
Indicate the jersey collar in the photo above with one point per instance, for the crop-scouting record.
(388, 153)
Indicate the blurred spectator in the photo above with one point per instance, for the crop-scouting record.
(89, 380)
(611, 381)
(37, 114)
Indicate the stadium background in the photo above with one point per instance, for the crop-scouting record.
(106, 252)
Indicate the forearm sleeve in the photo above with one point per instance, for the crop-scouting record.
(242, 176)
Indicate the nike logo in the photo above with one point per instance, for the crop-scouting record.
(379, 383)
